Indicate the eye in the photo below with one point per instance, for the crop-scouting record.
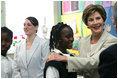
(29, 24)
(98, 18)
(8, 41)
(90, 19)
(67, 36)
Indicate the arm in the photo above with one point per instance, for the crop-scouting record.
(55, 56)
(44, 53)
(52, 72)
(80, 64)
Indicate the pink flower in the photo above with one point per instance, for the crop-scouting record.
(23, 37)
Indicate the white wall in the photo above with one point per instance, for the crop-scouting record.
(18, 10)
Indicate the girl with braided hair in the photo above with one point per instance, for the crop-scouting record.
(61, 38)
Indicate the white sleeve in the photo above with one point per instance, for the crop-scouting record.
(52, 72)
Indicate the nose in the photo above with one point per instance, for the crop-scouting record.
(72, 39)
(25, 26)
(95, 21)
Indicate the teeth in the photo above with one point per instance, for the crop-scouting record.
(95, 26)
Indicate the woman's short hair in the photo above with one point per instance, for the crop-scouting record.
(33, 20)
(90, 9)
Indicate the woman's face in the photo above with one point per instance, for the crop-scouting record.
(66, 38)
(29, 28)
(95, 23)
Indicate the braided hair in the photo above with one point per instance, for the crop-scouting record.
(55, 36)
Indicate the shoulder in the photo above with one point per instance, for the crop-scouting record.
(42, 41)
(110, 39)
(110, 52)
(107, 39)
(111, 49)
(108, 36)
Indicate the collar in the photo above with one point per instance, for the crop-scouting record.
(4, 57)
(61, 53)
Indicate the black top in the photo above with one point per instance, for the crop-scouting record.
(108, 62)
(61, 67)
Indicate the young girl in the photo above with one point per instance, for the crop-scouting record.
(6, 61)
(61, 38)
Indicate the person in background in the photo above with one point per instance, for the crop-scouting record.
(108, 58)
(6, 62)
(61, 39)
(90, 47)
(31, 54)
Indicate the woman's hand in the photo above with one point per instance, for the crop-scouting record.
(56, 57)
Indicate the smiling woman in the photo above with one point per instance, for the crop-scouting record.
(16, 11)
(32, 50)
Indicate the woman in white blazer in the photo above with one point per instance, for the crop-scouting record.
(30, 55)
(91, 46)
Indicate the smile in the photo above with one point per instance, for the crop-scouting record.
(96, 27)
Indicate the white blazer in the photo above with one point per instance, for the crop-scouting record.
(87, 62)
(35, 65)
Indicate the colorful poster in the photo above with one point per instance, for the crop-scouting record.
(74, 5)
(81, 6)
(65, 6)
(106, 3)
(108, 23)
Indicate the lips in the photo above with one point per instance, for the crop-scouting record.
(96, 27)
(3, 48)
(70, 45)
(26, 30)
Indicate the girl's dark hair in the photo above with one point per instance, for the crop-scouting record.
(33, 20)
(6, 30)
(55, 36)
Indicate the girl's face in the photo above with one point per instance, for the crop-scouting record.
(66, 38)
(6, 42)
(95, 23)
(29, 28)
